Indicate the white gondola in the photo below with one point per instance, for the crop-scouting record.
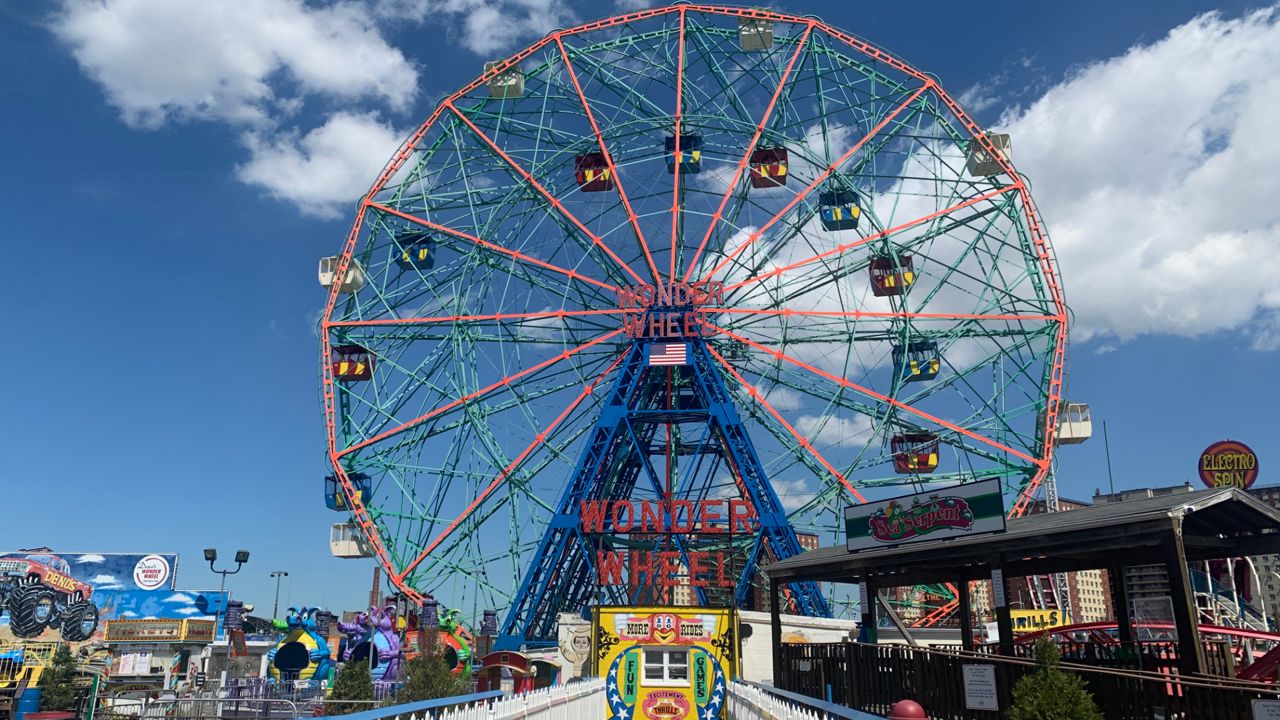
(346, 541)
(509, 84)
(980, 163)
(1074, 424)
(755, 33)
(329, 271)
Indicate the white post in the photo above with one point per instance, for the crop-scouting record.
(1262, 593)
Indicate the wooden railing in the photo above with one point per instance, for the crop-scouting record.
(873, 677)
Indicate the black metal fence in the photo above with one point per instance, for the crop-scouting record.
(1162, 656)
(873, 677)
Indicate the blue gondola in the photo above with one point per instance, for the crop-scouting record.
(417, 251)
(917, 361)
(689, 157)
(335, 499)
(839, 209)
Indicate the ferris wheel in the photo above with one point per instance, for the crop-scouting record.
(697, 254)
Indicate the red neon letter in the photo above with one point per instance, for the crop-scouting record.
(608, 567)
(670, 568)
(618, 525)
(741, 515)
(698, 568)
(685, 508)
(651, 517)
(592, 516)
(709, 517)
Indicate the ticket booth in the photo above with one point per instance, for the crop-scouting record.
(508, 671)
(665, 662)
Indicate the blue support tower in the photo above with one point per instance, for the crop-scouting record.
(683, 415)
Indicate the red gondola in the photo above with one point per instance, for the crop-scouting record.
(769, 167)
(890, 277)
(914, 452)
(352, 362)
(592, 172)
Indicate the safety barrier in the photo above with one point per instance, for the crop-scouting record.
(561, 702)
(200, 709)
(752, 701)
(873, 677)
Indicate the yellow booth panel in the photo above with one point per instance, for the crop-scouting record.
(665, 663)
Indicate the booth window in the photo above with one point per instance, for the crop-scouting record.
(664, 666)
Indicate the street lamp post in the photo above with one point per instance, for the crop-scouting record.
(277, 574)
(242, 557)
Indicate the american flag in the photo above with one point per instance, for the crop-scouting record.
(669, 354)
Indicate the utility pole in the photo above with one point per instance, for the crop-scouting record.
(242, 557)
(1106, 444)
(277, 574)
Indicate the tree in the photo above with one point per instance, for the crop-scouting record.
(57, 689)
(429, 676)
(353, 683)
(1051, 693)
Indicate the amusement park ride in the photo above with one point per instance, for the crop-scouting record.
(716, 273)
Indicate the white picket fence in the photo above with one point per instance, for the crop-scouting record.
(751, 703)
(560, 702)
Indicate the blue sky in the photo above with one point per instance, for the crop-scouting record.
(160, 249)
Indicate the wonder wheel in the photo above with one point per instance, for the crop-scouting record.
(707, 259)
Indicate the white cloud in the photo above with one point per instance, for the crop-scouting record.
(325, 169)
(129, 614)
(180, 598)
(1156, 174)
(794, 494)
(90, 558)
(1266, 335)
(783, 398)
(829, 431)
(978, 97)
(186, 611)
(233, 61)
(104, 579)
(489, 27)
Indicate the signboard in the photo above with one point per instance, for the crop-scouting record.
(1266, 710)
(980, 688)
(1029, 621)
(959, 511)
(120, 586)
(1228, 463)
(997, 587)
(159, 631)
(152, 572)
(667, 568)
(238, 646)
(234, 616)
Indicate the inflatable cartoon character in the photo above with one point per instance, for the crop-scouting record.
(457, 641)
(375, 633)
(303, 654)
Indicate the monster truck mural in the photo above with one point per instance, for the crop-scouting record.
(38, 592)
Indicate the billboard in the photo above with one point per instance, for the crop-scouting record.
(1029, 621)
(50, 596)
(969, 509)
(1228, 463)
